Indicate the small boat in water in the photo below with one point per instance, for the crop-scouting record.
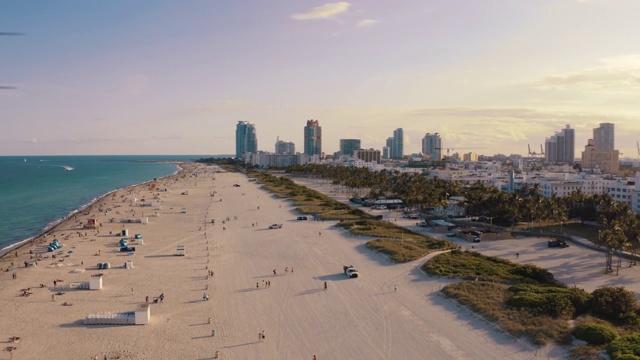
(68, 168)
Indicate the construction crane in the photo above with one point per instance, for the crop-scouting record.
(460, 148)
(541, 153)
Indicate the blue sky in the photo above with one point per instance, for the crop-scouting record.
(174, 77)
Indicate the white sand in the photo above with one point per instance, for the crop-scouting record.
(360, 318)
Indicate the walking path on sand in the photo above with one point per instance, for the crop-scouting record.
(361, 318)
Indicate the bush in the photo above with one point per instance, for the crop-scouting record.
(534, 272)
(596, 334)
(625, 348)
(580, 299)
(526, 300)
(614, 304)
(558, 305)
(542, 300)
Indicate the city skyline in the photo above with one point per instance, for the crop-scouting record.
(159, 78)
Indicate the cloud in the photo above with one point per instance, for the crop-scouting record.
(367, 22)
(323, 12)
(619, 74)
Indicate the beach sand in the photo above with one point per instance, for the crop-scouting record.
(363, 318)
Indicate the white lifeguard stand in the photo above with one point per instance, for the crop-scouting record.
(128, 264)
(180, 251)
(143, 314)
(95, 283)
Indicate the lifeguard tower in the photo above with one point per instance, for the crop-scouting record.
(92, 223)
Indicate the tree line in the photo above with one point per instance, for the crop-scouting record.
(620, 226)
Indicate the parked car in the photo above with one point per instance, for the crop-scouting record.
(557, 243)
(451, 234)
(275, 226)
(302, 218)
(476, 239)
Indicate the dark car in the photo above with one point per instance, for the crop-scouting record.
(302, 218)
(557, 243)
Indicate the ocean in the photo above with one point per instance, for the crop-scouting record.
(37, 192)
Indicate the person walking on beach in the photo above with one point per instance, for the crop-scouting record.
(274, 271)
(325, 285)
(146, 299)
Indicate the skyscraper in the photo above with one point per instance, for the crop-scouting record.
(285, 147)
(313, 138)
(246, 140)
(432, 146)
(348, 146)
(397, 144)
(560, 148)
(603, 137)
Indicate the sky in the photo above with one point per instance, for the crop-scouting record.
(174, 77)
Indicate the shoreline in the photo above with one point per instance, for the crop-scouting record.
(51, 226)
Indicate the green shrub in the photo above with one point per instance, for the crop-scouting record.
(596, 334)
(558, 305)
(625, 348)
(542, 300)
(580, 299)
(614, 304)
(534, 272)
(526, 300)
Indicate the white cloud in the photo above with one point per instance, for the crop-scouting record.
(367, 22)
(620, 74)
(323, 12)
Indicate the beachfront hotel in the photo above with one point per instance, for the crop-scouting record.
(246, 140)
(313, 138)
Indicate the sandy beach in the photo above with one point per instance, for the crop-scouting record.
(392, 311)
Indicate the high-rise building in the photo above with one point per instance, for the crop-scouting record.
(470, 157)
(397, 144)
(432, 146)
(371, 155)
(348, 146)
(560, 148)
(313, 138)
(605, 160)
(285, 147)
(603, 137)
(246, 140)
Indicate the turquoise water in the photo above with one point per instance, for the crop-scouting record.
(36, 192)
